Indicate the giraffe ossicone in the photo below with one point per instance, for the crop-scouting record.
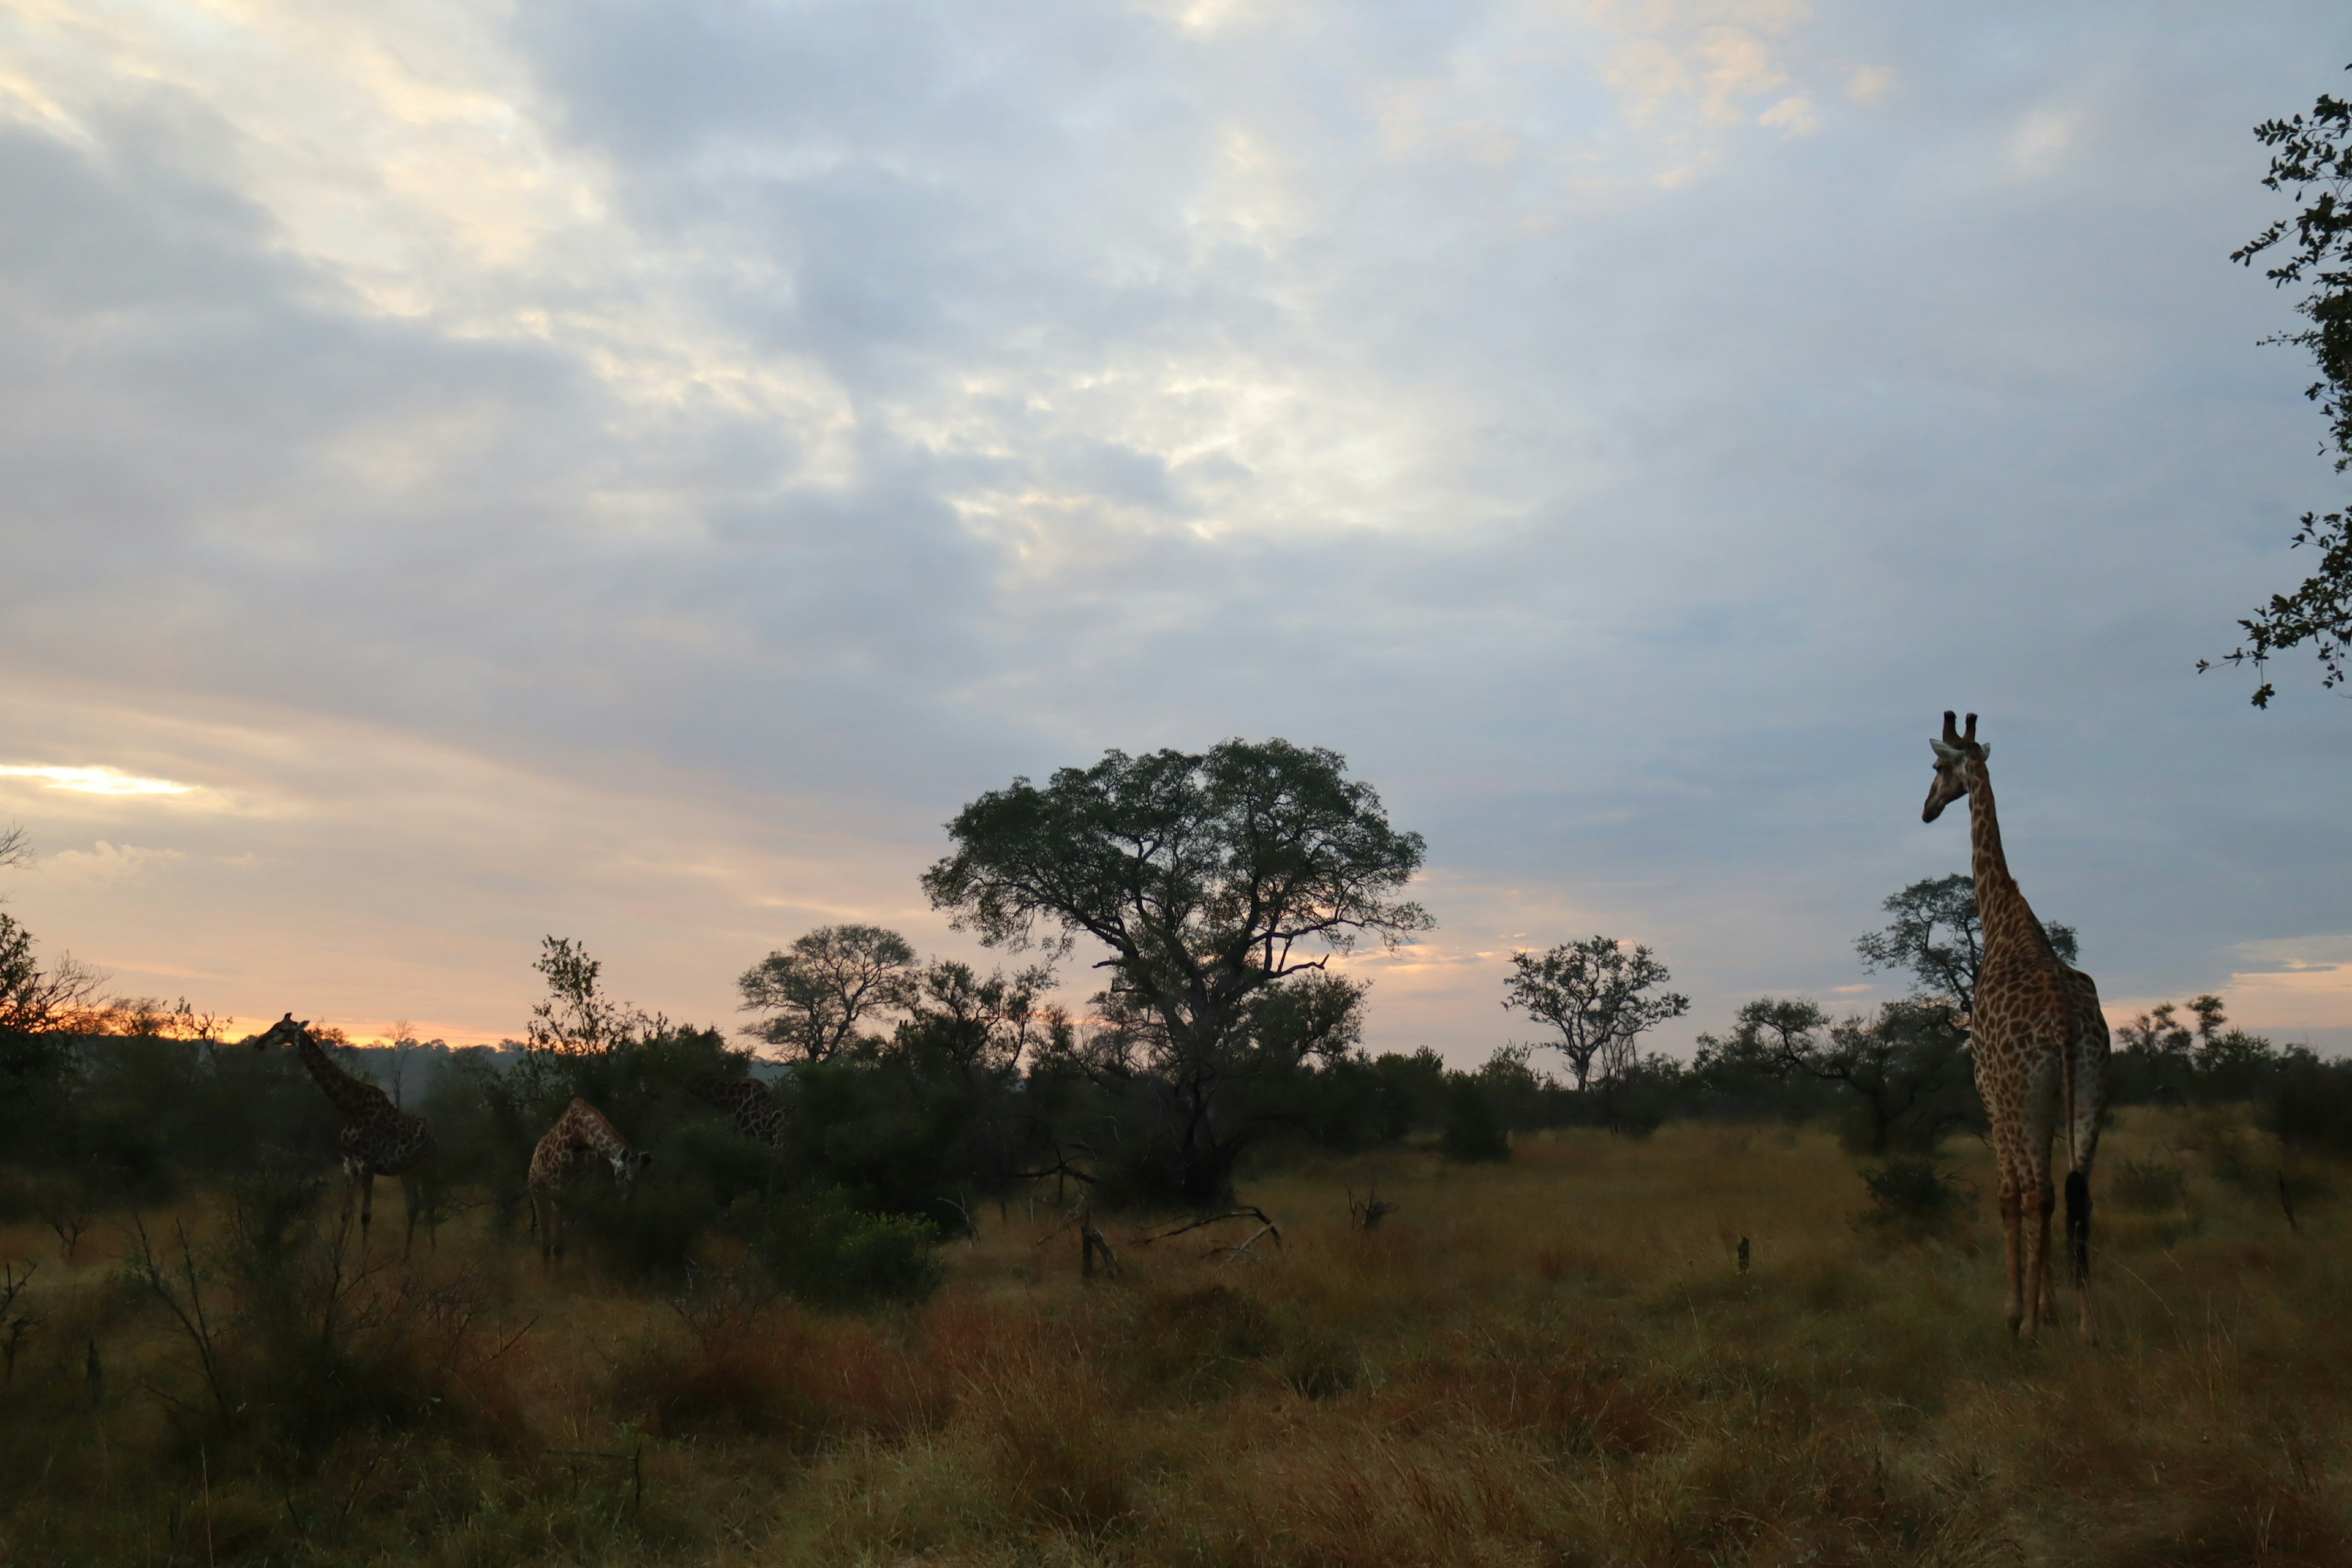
(2039, 1044)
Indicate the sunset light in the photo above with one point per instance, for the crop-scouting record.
(93, 780)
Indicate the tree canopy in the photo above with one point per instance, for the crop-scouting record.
(1594, 994)
(2312, 158)
(817, 990)
(1938, 939)
(1220, 883)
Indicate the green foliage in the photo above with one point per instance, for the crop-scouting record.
(2313, 158)
(1218, 881)
(818, 1247)
(2309, 1107)
(818, 990)
(1902, 1073)
(299, 1337)
(1473, 1131)
(1594, 993)
(2160, 1057)
(1938, 939)
(1910, 1195)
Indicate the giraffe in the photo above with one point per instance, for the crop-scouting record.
(756, 1112)
(378, 1138)
(2040, 1047)
(580, 1140)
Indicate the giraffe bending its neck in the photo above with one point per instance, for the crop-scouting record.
(749, 1104)
(378, 1139)
(581, 1140)
(2040, 1047)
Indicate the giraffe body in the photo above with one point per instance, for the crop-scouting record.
(2039, 1044)
(378, 1139)
(749, 1103)
(581, 1141)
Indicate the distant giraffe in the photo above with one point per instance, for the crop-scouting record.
(580, 1141)
(378, 1138)
(2040, 1047)
(749, 1103)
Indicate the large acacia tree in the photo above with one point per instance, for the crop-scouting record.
(1220, 883)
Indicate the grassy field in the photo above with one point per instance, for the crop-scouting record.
(1555, 1360)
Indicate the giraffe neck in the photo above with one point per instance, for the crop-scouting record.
(2002, 909)
(347, 1094)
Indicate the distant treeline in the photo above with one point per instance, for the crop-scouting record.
(1220, 885)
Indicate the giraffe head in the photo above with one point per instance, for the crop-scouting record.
(285, 1032)
(1955, 754)
(626, 1162)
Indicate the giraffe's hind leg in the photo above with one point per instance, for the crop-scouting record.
(2078, 1242)
(411, 1194)
(2035, 1200)
(2009, 1200)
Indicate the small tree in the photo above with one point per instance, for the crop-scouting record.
(818, 990)
(576, 1018)
(1594, 992)
(38, 1003)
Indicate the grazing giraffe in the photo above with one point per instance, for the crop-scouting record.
(379, 1139)
(749, 1103)
(580, 1141)
(2040, 1047)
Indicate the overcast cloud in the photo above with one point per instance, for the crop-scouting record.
(633, 471)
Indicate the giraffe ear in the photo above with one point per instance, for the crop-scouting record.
(644, 1157)
(1943, 754)
(1984, 754)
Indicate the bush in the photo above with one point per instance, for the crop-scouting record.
(1472, 1130)
(816, 1247)
(1908, 1195)
(299, 1336)
(2311, 1107)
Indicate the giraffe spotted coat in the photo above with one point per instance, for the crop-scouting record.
(581, 1141)
(2040, 1043)
(378, 1139)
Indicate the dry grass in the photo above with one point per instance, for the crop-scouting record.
(1553, 1360)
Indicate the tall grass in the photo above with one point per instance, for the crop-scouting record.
(1551, 1358)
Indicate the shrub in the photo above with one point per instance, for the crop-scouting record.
(2311, 1107)
(818, 1247)
(1909, 1195)
(1472, 1131)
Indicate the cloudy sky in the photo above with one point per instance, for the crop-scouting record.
(632, 472)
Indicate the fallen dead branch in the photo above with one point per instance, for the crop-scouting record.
(1248, 1212)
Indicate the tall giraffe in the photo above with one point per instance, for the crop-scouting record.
(749, 1104)
(2040, 1047)
(581, 1140)
(378, 1138)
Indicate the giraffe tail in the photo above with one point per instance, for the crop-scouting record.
(2078, 1181)
(2078, 1222)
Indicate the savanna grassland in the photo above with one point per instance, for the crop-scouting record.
(1557, 1359)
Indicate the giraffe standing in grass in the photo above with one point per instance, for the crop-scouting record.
(2040, 1047)
(581, 1140)
(379, 1139)
(749, 1104)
